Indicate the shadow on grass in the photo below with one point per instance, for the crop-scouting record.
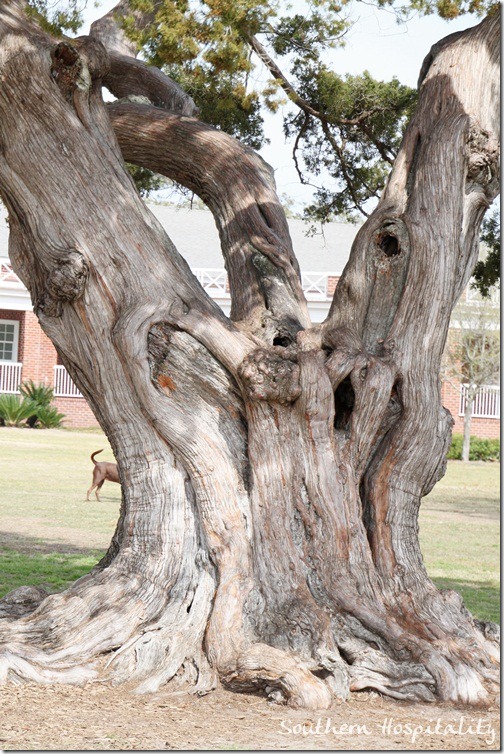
(472, 508)
(34, 545)
(481, 598)
(27, 561)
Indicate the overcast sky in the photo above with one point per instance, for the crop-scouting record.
(376, 43)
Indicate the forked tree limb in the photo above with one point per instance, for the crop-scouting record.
(238, 187)
(129, 76)
(264, 280)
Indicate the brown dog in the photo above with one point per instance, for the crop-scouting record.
(102, 472)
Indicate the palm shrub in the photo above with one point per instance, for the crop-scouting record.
(49, 417)
(43, 415)
(14, 410)
(41, 395)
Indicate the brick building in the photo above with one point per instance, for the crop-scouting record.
(485, 420)
(27, 353)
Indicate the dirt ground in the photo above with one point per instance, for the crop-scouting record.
(102, 717)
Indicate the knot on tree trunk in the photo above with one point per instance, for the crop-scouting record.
(66, 282)
(483, 157)
(95, 56)
(271, 375)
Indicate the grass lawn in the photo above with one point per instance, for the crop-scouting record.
(50, 535)
(460, 535)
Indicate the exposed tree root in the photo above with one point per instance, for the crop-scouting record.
(62, 641)
(148, 631)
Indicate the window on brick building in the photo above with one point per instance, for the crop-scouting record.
(9, 339)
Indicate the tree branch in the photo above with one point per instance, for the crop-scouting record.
(383, 149)
(344, 170)
(129, 76)
(108, 29)
(237, 186)
(275, 71)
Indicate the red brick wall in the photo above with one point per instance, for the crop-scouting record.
(332, 282)
(38, 356)
(484, 428)
(77, 412)
(36, 352)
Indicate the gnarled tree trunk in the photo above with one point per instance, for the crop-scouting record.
(272, 470)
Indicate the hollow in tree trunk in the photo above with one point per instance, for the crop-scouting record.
(272, 470)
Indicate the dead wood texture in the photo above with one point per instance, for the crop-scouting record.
(272, 470)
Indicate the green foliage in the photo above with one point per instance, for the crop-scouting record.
(49, 418)
(487, 273)
(33, 409)
(481, 450)
(56, 17)
(14, 410)
(202, 46)
(455, 450)
(355, 141)
(223, 101)
(445, 8)
(145, 180)
(349, 127)
(40, 394)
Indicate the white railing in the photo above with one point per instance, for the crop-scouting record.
(8, 278)
(10, 376)
(486, 404)
(64, 387)
(315, 285)
(213, 281)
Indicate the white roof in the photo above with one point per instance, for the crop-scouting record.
(194, 234)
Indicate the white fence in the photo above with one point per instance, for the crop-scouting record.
(486, 404)
(10, 376)
(214, 281)
(315, 285)
(64, 387)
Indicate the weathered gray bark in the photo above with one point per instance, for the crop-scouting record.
(272, 470)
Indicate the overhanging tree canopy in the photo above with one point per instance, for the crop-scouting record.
(272, 470)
